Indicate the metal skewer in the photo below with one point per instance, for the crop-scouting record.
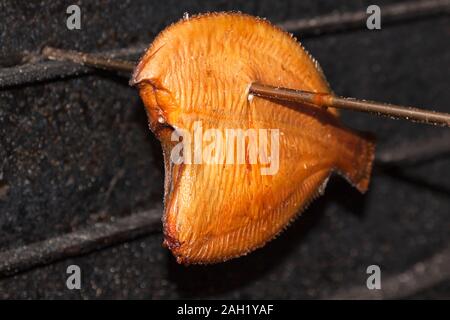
(328, 100)
(90, 60)
(267, 91)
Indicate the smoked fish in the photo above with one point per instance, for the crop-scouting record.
(196, 74)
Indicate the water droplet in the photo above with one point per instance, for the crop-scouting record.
(323, 186)
(186, 16)
(161, 119)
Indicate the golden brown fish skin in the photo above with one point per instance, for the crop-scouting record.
(200, 69)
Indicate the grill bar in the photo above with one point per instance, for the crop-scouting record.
(350, 20)
(422, 275)
(50, 70)
(95, 237)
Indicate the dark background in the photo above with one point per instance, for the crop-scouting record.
(63, 142)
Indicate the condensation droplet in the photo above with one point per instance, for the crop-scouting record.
(323, 186)
(161, 119)
(186, 16)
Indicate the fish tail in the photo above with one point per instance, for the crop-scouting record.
(356, 158)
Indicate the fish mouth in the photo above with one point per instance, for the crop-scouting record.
(159, 105)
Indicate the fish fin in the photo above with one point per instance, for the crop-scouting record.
(356, 159)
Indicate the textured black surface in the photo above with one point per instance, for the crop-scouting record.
(77, 151)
